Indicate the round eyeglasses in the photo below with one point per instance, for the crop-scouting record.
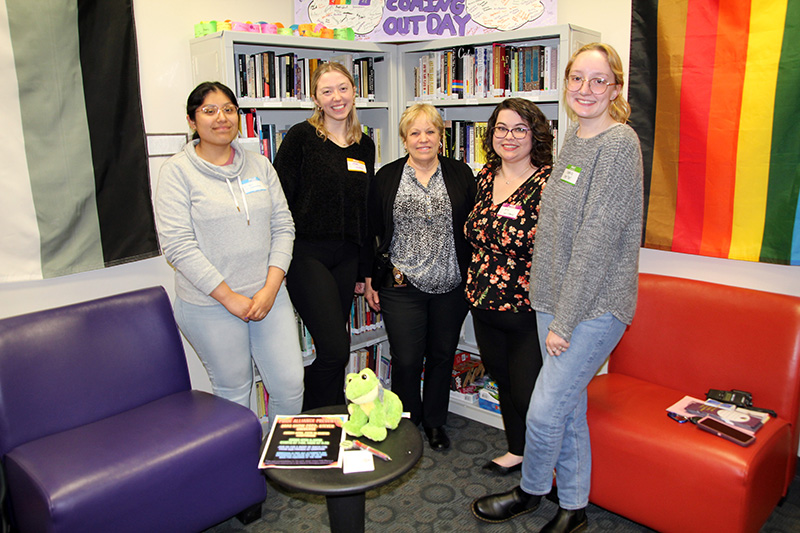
(598, 86)
(212, 110)
(501, 132)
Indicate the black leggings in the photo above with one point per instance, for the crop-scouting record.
(321, 281)
(510, 351)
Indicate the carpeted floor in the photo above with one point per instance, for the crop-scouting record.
(435, 496)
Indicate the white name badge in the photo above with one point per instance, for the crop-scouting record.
(354, 165)
(251, 185)
(571, 174)
(509, 211)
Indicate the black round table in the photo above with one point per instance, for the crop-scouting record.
(345, 494)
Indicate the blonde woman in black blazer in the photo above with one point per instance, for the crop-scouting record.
(417, 209)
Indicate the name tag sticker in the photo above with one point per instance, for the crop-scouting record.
(251, 185)
(509, 211)
(571, 174)
(354, 165)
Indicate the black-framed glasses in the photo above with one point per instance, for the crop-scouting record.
(501, 132)
(598, 86)
(212, 110)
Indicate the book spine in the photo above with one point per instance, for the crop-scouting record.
(371, 79)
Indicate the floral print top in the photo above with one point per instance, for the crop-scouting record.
(502, 238)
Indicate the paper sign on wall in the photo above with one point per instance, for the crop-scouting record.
(415, 20)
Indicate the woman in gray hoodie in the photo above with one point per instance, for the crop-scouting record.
(225, 227)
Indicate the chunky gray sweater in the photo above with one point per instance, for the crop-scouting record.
(222, 223)
(586, 258)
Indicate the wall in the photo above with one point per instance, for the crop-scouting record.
(163, 30)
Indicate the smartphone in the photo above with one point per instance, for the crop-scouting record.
(725, 431)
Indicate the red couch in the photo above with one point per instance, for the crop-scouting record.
(687, 337)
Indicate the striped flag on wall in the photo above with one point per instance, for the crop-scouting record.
(74, 184)
(715, 91)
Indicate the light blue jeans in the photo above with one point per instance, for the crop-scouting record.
(225, 345)
(557, 433)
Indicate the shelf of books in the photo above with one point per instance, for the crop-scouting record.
(465, 77)
(270, 75)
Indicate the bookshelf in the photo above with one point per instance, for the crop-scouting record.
(474, 101)
(215, 57)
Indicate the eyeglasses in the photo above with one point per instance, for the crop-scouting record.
(598, 86)
(212, 110)
(501, 132)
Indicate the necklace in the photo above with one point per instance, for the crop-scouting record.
(524, 174)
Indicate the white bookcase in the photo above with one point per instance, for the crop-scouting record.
(566, 38)
(214, 59)
(214, 56)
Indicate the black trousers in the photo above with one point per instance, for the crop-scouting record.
(321, 281)
(423, 326)
(510, 351)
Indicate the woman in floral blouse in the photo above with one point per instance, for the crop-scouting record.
(501, 229)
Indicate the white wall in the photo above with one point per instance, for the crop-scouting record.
(164, 29)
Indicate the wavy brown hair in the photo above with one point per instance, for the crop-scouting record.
(542, 148)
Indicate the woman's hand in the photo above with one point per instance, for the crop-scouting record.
(238, 305)
(555, 345)
(360, 285)
(264, 299)
(262, 304)
(372, 296)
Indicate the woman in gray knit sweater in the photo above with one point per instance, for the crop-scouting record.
(225, 227)
(583, 286)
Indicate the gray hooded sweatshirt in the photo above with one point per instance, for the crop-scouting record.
(222, 223)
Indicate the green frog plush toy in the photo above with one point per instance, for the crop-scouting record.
(372, 408)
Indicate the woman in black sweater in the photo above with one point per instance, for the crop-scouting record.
(417, 209)
(325, 165)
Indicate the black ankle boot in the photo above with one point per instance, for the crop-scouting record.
(567, 521)
(505, 506)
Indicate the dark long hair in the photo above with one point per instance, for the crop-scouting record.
(542, 148)
(198, 95)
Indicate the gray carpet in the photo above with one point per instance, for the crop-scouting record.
(435, 496)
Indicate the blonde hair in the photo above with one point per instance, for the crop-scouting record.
(415, 111)
(353, 126)
(619, 108)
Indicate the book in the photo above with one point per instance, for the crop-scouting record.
(732, 417)
(304, 441)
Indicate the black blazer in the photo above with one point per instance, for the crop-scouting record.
(461, 188)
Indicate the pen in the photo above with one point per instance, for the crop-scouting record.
(372, 450)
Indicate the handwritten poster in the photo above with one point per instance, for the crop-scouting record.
(417, 20)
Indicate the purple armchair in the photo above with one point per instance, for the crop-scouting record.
(100, 430)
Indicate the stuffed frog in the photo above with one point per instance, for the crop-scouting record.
(372, 408)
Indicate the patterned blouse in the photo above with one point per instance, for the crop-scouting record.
(502, 237)
(423, 247)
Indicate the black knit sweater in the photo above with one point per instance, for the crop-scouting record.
(326, 192)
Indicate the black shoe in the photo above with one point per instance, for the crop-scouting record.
(437, 438)
(501, 470)
(567, 521)
(505, 506)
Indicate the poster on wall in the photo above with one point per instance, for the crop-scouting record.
(422, 20)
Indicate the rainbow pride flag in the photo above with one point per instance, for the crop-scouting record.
(715, 92)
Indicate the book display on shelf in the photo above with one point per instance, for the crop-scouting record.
(465, 77)
(271, 76)
(499, 70)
